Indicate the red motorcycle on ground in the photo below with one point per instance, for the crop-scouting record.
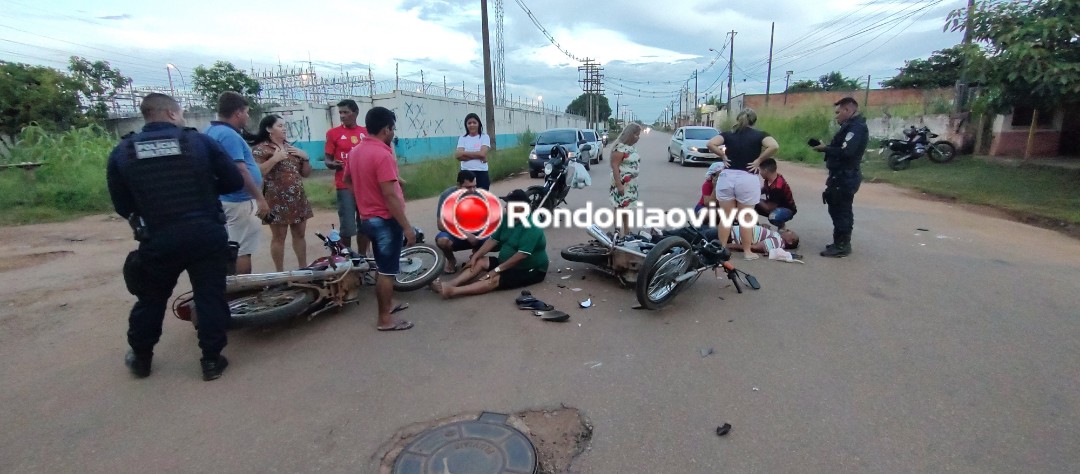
(330, 282)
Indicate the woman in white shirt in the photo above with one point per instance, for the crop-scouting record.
(472, 150)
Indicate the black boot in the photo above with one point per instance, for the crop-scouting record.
(841, 249)
(138, 364)
(212, 367)
(835, 240)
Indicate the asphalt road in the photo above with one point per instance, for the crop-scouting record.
(950, 349)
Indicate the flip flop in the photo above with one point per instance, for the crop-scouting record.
(536, 305)
(399, 326)
(400, 307)
(525, 298)
(554, 316)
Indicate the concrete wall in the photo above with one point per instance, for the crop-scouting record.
(428, 126)
(877, 97)
(1009, 140)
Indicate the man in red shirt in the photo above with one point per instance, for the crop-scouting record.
(373, 174)
(339, 140)
(778, 203)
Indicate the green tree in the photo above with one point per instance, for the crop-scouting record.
(222, 77)
(580, 106)
(98, 84)
(941, 69)
(1033, 56)
(36, 94)
(833, 81)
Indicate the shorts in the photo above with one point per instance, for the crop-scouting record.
(387, 238)
(741, 186)
(457, 244)
(348, 216)
(244, 226)
(515, 277)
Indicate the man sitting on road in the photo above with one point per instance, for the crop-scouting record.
(466, 180)
(778, 203)
(522, 259)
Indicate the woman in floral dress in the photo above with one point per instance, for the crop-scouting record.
(283, 167)
(624, 172)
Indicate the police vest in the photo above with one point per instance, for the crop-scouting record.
(169, 182)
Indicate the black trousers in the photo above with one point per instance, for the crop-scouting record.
(483, 180)
(840, 189)
(200, 248)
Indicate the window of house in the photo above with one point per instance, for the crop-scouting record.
(1021, 117)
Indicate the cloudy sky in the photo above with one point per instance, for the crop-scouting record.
(649, 49)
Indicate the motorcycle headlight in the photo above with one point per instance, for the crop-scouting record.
(532, 155)
(547, 168)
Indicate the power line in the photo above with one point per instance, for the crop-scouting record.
(545, 32)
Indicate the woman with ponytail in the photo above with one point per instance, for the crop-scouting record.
(739, 187)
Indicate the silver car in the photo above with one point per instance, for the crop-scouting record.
(592, 138)
(689, 145)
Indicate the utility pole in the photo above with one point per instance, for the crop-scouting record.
(866, 98)
(768, 77)
(618, 96)
(697, 108)
(489, 103)
(730, 63)
(961, 82)
(787, 81)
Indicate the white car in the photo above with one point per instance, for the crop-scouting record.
(689, 145)
(592, 138)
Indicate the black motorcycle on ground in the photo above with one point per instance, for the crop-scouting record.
(555, 188)
(917, 145)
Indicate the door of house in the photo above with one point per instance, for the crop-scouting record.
(1070, 131)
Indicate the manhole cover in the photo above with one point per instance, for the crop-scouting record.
(485, 445)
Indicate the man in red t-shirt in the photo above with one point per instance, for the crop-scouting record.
(778, 204)
(339, 140)
(373, 174)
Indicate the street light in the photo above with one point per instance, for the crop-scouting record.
(168, 68)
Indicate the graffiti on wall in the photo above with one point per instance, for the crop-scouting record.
(297, 129)
(414, 113)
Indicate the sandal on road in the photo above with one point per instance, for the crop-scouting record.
(536, 305)
(399, 326)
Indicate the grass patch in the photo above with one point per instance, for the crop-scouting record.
(1042, 191)
(69, 183)
(425, 179)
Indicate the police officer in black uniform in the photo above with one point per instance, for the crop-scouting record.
(166, 181)
(843, 157)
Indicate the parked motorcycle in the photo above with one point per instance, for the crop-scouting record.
(330, 282)
(658, 271)
(917, 144)
(555, 188)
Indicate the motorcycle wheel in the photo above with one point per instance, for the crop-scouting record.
(941, 152)
(269, 307)
(591, 254)
(896, 164)
(420, 265)
(656, 284)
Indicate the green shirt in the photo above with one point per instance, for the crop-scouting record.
(527, 240)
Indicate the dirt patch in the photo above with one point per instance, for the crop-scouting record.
(559, 435)
(15, 262)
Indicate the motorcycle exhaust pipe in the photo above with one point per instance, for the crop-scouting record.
(599, 235)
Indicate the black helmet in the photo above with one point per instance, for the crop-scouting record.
(558, 151)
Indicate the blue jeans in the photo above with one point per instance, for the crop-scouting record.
(387, 238)
(780, 215)
(347, 214)
(457, 244)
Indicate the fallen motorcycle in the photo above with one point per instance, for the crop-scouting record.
(658, 271)
(328, 283)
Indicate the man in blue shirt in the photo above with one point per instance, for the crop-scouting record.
(244, 209)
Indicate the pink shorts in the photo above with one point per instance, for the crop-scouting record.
(738, 185)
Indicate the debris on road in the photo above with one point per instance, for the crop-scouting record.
(723, 429)
(567, 277)
(585, 304)
(755, 389)
(707, 352)
(923, 230)
(575, 289)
